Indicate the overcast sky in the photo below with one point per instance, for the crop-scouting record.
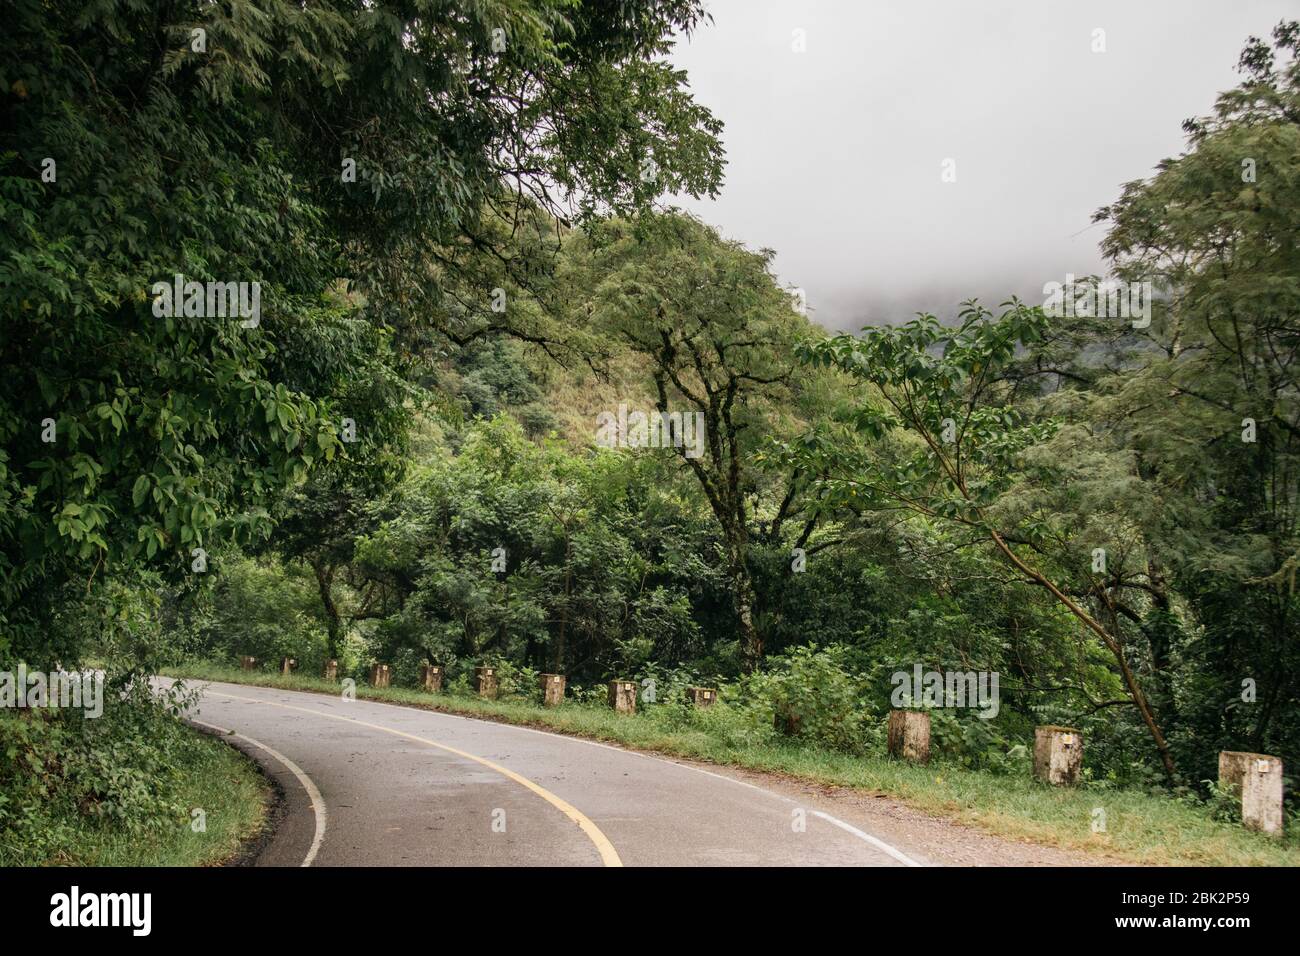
(835, 154)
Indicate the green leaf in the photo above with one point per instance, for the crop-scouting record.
(140, 491)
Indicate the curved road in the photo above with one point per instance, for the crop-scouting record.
(372, 784)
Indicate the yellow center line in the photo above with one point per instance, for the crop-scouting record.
(608, 855)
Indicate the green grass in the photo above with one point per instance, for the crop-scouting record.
(58, 830)
(1141, 828)
(229, 788)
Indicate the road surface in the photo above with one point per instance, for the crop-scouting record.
(372, 784)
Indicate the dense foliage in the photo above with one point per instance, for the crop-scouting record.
(339, 155)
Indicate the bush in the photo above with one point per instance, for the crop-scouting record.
(61, 771)
(515, 681)
(812, 695)
(977, 743)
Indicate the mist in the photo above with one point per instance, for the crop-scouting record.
(1041, 131)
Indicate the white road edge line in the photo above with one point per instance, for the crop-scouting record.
(317, 801)
(848, 828)
(878, 844)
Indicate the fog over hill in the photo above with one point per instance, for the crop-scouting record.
(1042, 129)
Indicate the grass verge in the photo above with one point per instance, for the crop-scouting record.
(1140, 828)
(127, 806)
(225, 784)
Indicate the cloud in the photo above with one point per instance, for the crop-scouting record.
(836, 153)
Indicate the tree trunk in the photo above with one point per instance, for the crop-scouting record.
(742, 595)
(1161, 629)
(1112, 644)
(561, 638)
(333, 623)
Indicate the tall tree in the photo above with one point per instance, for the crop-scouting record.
(292, 146)
(716, 335)
(963, 455)
(1208, 397)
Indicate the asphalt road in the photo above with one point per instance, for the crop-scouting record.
(372, 784)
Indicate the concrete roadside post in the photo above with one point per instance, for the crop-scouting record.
(431, 678)
(552, 689)
(1257, 780)
(701, 696)
(622, 696)
(1058, 755)
(909, 735)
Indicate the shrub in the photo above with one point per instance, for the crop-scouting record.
(812, 695)
(61, 770)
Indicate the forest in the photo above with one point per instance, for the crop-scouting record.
(441, 440)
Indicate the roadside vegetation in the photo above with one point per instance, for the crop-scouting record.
(133, 787)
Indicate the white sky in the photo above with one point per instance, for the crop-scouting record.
(834, 154)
